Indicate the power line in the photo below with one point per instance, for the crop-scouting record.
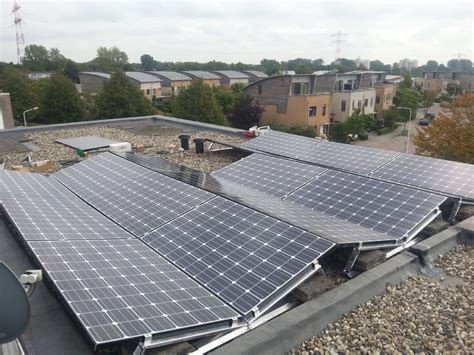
(20, 38)
(338, 40)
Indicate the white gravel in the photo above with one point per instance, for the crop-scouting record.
(420, 315)
(165, 145)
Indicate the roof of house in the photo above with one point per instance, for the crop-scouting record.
(202, 74)
(96, 73)
(256, 73)
(232, 74)
(142, 77)
(170, 75)
(364, 72)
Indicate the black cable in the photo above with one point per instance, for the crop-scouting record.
(33, 285)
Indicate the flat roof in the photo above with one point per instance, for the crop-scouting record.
(202, 74)
(142, 77)
(170, 75)
(96, 73)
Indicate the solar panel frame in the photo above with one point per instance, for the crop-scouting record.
(87, 142)
(122, 289)
(220, 244)
(441, 176)
(134, 197)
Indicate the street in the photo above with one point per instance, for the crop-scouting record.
(395, 141)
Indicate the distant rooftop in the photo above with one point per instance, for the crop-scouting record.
(256, 73)
(96, 73)
(202, 74)
(142, 77)
(170, 75)
(232, 74)
(364, 72)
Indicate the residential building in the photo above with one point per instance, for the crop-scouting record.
(208, 78)
(171, 82)
(255, 75)
(6, 113)
(394, 79)
(92, 82)
(295, 100)
(437, 81)
(384, 94)
(231, 77)
(150, 85)
(408, 64)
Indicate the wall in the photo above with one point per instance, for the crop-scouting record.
(6, 114)
(275, 91)
(352, 98)
(91, 84)
(212, 82)
(155, 89)
(386, 94)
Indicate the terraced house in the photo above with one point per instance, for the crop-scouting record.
(171, 82)
(295, 100)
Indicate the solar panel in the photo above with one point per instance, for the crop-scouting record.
(87, 142)
(357, 159)
(134, 197)
(388, 208)
(244, 256)
(42, 209)
(318, 223)
(273, 176)
(444, 176)
(121, 289)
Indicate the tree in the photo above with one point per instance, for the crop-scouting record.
(355, 124)
(60, 101)
(198, 103)
(111, 59)
(410, 98)
(431, 65)
(339, 132)
(462, 65)
(36, 58)
(453, 90)
(148, 63)
(20, 88)
(119, 98)
(245, 113)
(450, 135)
(377, 65)
(71, 71)
(225, 97)
(270, 66)
(428, 99)
(407, 81)
(390, 118)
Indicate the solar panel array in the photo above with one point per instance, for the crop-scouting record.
(134, 197)
(444, 176)
(362, 160)
(273, 176)
(390, 209)
(121, 289)
(242, 255)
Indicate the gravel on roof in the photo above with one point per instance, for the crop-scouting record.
(164, 143)
(419, 315)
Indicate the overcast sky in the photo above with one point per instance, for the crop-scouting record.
(247, 31)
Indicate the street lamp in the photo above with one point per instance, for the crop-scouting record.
(409, 124)
(24, 113)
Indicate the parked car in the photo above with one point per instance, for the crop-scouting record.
(423, 122)
(430, 115)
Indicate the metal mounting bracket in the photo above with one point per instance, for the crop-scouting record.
(351, 261)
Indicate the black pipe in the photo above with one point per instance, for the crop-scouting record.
(184, 141)
(199, 142)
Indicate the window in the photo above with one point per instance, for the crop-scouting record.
(148, 91)
(259, 89)
(154, 91)
(312, 110)
(343, 105)
(353, 104)
(377, 99)
(324, 110)
(371, 101)
(366, 102)
(300, 89)
(359, 104)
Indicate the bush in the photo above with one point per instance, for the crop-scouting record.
(384, 130)
(363, 136)
(339, 132)
(307, 131)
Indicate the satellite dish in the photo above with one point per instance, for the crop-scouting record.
(14, 306)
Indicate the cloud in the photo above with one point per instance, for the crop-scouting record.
(246, 31)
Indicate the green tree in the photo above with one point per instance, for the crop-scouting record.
(225, 97)
(20, 88)
(270, 66)
(462, 65)
(60, 101)
(407, 81)
(148, 63)
(111, 59)
(119, 98)
(36, 58)
(339, 132)
(355, 124)
(406, 97)
(453, 90)
(198, 103)
(428, 99)
(245, 113)
(71, 71)
(390, 118)
(377, 65)
(431, 65)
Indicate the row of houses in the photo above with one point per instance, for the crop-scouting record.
(438, 82)
(322, 98)
(168, 83)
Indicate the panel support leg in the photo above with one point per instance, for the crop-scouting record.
(350, 263)
(454, 211)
